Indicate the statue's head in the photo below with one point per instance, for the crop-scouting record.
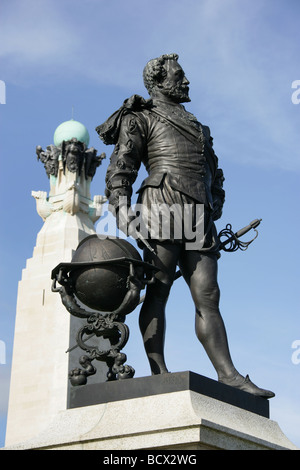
(165, 75)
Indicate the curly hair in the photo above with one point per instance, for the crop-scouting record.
(154, 71)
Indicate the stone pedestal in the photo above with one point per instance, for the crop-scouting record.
(182, 411)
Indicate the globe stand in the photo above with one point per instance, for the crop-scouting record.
(99, 324)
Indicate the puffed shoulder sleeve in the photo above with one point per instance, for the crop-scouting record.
(125, 160)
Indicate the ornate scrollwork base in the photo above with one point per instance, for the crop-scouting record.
(106, 327)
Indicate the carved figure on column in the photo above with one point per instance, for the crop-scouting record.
(49, 158)
(74, 154)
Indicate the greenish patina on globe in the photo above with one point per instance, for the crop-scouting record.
(69, 130)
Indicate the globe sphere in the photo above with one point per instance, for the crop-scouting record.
(69, 130)
(102, 287)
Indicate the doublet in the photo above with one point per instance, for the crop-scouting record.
(172, 145)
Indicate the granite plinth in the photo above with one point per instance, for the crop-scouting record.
(94, 394)
(178, 421)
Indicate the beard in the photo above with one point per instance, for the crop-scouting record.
(178, 93)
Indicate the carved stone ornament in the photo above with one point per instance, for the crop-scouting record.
(74, 155)
(72, 166)
(49, 158)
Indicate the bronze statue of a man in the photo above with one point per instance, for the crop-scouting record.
(178, 154)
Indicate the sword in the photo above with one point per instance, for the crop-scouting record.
(232, 239)
(142, 239)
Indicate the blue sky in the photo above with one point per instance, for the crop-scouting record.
(241, 58)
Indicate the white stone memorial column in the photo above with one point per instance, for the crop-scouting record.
(39, 377)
